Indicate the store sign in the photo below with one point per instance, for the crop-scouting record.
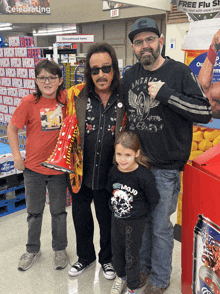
(159, 4)
(111, 5)
(25, 7)
(197, 6)
(75, 38)
(114, 13)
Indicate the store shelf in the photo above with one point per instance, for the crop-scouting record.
(13, 205)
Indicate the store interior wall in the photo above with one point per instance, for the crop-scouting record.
(176, 31)
(72, 11)
(91, 20)
(115, 32)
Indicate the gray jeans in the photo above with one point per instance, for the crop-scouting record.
(35, 195)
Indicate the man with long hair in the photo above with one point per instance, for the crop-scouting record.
(99, 111)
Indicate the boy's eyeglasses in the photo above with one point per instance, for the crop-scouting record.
(50, 79)
(139, 43)
(105, 69)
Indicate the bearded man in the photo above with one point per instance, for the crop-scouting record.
(162, 98)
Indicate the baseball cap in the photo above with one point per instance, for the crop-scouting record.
(144, 24)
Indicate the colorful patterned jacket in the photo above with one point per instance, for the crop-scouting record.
(76, 105)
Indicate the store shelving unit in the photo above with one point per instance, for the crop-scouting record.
(12, 194)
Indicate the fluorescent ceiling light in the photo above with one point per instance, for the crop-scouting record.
(5, 25)
(5, 29)
(56, 31)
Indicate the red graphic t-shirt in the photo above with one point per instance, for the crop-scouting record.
(43, 121)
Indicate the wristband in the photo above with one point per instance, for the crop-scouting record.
(211, 55)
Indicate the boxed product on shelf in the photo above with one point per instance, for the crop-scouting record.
(38, 59)
(28, 62)
(9, 52)
(8, 100)
(21, 41)
(0, 99)
(3, 91)
(1, 52)
(4, 108)
(23, 92)
(12, 91)
(7, 164)
(21, 52)
(10, 72)
(6, 82)
(17, 82)
(28, 83)
(31, 73)
(22, 73)
(16, 62)
(17, 101)
(33, 52)
(2, 72)
(5, 62)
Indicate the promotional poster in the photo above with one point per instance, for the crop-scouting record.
(24, 6)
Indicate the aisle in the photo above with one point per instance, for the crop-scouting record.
(41, 278)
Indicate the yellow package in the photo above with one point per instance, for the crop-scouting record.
(194, 146)
(211, 134)
(216, 140)
(198, 136)
(205, 145)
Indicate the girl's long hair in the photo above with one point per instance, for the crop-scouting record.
(130, 140)
(53, 68)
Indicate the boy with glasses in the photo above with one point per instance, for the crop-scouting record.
(42, 113)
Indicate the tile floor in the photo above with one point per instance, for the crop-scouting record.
(41, 278)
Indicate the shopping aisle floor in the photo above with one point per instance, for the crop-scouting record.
(41, 278)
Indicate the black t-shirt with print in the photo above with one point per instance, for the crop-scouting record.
(134, 194)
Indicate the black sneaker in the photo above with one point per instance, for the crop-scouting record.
(77, 268)
(108, 271)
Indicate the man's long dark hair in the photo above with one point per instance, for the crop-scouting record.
(102, 48)
(53, 68)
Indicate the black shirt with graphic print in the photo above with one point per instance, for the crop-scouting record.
(164, 124)
(99, 140)
(134, 194)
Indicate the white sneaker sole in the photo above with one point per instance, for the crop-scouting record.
(108, 277)
(74, 274)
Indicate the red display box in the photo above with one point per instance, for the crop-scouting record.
(201, 188)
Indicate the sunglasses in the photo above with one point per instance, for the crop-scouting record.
(105, 69)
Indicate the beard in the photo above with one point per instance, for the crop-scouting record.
(148, 59)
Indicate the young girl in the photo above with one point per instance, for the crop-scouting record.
(134, 195)
(42, 113)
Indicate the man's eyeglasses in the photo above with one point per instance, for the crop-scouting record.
(139, 43)
(105, 69)
(50, 79)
